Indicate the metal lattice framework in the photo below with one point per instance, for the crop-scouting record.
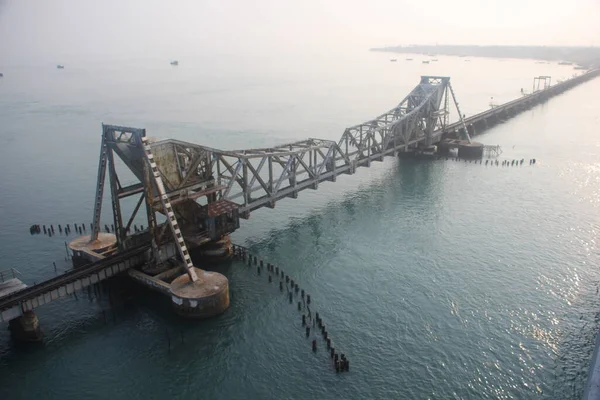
(259, 177)
(182, 169)
(245, 180)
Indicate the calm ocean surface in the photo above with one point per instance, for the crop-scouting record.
(437, 279)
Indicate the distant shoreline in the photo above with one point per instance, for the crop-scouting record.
(584, 56)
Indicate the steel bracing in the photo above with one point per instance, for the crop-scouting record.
(259, 177)
(173, 174)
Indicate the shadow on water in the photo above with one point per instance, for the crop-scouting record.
(409, 181)
(120, 299)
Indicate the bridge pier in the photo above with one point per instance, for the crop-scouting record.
(471, 130)
(26, 328)
(85, 251)
(218, 250)
(473, 150)
(205, 298)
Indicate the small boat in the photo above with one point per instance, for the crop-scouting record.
(394, 60)
(175, 62)
(425, 62)
(435, 59)
(60, 66)
(1, 74)
(409, 59)
(565, 63)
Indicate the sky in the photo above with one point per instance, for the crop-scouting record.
(36, 30)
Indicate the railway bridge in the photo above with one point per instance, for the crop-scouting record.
(194, 196)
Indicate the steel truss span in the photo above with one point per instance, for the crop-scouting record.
(247, 180)
(259, 177)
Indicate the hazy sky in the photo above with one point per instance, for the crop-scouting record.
(31, 30)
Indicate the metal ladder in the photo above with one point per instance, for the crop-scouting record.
(164, 198)
(460, 115)
(99, 189)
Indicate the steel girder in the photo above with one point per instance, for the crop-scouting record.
(259, 177)
(414, 120)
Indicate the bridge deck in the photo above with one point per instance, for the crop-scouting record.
(260, 177)
(302, 165)
(13, 304)
(528, 99)
(10, 286)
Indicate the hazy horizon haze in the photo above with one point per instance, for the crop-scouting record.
(54, 31)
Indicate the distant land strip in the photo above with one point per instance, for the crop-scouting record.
(588, 57)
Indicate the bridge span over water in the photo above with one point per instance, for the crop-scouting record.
(194, 195)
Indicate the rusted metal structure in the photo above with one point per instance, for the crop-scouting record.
(202, 191)
(174, 179)
(207, 190)
(260, 177)
(194, 195)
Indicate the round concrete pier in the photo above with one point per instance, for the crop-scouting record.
(105, 242)
(470, 150)
(26, 328)
(218, 250)
(84, 250)
(207, 297)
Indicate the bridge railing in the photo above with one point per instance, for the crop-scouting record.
(10, 273)
(531, 96)
(68, 276)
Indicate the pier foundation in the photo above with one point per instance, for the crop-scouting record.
(470, 150)
(218, 250)
(26, 328)
(85, 251)
(207, 297)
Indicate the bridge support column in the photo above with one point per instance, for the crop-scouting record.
(473, 150)
(218, 250)
(26, 328)
(204, 298)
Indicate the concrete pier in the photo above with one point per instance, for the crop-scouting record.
(216, 250)
(471, 150)
(26, 328)
(85, 251)
(204, 298)
(207, 297)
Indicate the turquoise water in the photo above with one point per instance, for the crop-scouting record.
(437, 279)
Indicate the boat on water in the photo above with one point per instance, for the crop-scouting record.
(394, 60)
(409, 59)
(425, 62)
(175, 62)
(60, 66)
(435, 59)
(565, 63)
(1, 74)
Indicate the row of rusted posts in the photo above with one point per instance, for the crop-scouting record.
(505, 163)
(339, 361)
(37, 229)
